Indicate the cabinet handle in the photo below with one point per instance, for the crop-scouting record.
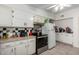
(25, 24)
(7, 45)
(12, 50)
(12, 16)
(12, 11)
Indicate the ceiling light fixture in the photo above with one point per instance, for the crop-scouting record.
(58, 7)
(51, 6)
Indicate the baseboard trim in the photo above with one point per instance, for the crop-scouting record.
(65, 43)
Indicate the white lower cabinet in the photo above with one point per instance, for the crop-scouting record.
(32, 46)
(64, 37)
(7, 48)
(69, 38)
(23, 47)
(7, 51)
(21, 50)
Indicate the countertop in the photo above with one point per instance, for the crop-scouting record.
(64, 32)
(16, 39)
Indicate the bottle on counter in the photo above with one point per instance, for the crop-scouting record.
(9, 34)
(17, 33)
(13, 34)
(25, 32)
(5, 35)
(0, 34)
(30, 33)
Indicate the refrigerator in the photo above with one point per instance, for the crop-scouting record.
(48, 28)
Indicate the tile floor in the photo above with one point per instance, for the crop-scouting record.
(62, 49)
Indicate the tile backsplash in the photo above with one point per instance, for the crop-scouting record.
(6, 30)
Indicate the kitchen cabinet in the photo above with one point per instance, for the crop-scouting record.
(32, 46)
(18, 18)
(29, 19)
(22, 18)
(15, 17)
(5, 16)
(7, 49)
(69, 38)
(21, 48)
(59, 36)
(18, 22)
(64, 37)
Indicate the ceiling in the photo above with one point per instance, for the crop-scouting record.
(45, 6)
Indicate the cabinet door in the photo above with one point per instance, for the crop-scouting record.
(60, 37)
(7, 51)
(29, 23)
(32, 46)
(18, 22)
(22, 18)
(19, 13)
(5, 16)
(57, 36)
(68, 38)
(18, 18)
(29, 19)
(21, 50)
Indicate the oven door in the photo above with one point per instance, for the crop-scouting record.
(41, 41)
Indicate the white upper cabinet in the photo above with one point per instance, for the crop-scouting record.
(18, 18)
(5, 16)
(29, 19)
(18, 22)
(22, 18)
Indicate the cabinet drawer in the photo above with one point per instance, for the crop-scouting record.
(7, 45)
(21, 42)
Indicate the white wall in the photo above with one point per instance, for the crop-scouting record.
(32, 10)
(68, 13)
(75, 14)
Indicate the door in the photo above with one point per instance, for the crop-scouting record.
(7, 51)
(32, 46)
